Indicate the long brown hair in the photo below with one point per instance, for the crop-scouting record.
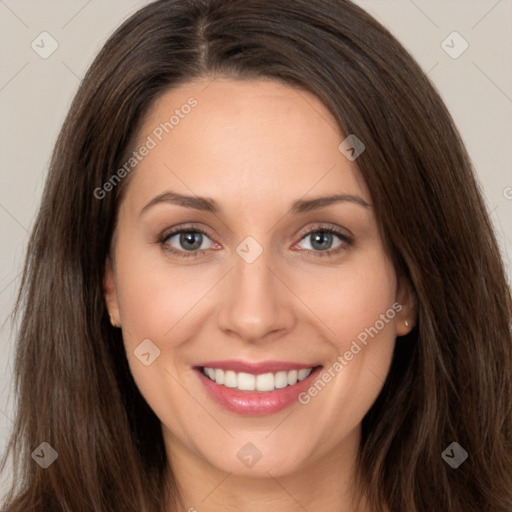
(451, 377)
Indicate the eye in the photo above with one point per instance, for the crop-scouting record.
(191, 242)
(320, 241)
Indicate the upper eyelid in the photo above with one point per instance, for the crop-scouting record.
(318, 227)
(335, 230)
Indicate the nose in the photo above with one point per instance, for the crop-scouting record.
(257, 304)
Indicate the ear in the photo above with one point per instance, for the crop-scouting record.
(406, 297)
(110, 293)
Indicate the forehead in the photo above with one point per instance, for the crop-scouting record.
(243, 141)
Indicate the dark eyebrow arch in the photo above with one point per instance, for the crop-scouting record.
(197, 203)
(306, 205)
(209, 205)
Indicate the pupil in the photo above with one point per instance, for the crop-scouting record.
(189, 238)
(322, 240)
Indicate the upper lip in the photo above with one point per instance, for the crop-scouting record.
(255, 368)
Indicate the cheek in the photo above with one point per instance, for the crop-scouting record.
(352, 298)
(156, 303)
(358, 305)
(159, 302)
(155, 296)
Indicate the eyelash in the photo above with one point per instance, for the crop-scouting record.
(346, 241)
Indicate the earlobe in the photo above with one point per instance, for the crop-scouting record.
(110, 293)
(406, 317)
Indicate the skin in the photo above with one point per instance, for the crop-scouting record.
(254, 147)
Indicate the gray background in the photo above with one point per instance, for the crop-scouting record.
(35, 94)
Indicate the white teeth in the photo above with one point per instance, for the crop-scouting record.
(230, 379)
(303, 374)
(292, 377)
(246, 381)
(281, 380)
(219, 376)
(262, 382)
(265, 382)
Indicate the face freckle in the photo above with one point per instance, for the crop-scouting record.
(262, 271)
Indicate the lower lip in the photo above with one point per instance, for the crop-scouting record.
(256, 403)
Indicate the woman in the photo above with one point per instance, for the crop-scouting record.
(262, 277)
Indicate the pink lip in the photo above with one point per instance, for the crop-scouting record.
(256, 403)
(256, 368)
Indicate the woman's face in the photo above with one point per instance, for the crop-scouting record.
(226, 258)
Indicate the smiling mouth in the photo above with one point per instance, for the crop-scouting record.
(255, 389)
(262, 382)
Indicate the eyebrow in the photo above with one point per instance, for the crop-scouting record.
(209, 205)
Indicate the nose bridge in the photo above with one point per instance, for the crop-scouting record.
(255, 303)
